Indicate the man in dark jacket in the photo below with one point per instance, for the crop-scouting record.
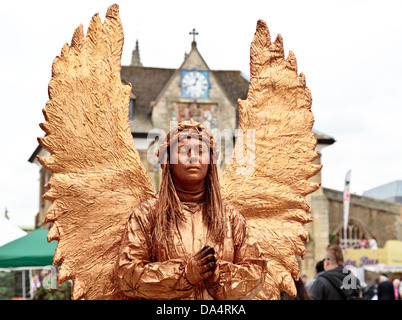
(385, 289)
(336, 282)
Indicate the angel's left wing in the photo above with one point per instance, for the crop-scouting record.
(98, 177)
(269, 188)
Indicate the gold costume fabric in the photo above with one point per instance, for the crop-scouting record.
(240, 262)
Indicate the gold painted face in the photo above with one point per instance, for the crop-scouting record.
(189, 165)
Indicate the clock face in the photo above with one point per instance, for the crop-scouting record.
(195, 84)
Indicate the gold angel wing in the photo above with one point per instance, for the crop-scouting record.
(98, 178)
(271, 195)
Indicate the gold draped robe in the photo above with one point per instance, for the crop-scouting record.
(240, 262)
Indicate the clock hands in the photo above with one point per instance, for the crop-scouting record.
(194, 84)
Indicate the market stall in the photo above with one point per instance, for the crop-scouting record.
(372, 263)
(28, 253)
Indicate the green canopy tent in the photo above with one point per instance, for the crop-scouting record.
(27, 253)
(31, 250)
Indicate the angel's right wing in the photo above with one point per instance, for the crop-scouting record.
(98, 177)
(270, 188)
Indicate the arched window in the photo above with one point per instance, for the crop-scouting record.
(354, 233)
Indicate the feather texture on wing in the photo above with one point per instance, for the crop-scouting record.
(270, 188)
(98, 178)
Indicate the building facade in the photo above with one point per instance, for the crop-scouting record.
(368, 218)
(162, 97)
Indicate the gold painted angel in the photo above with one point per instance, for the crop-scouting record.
(200, 236)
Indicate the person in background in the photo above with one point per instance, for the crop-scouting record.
(335, 283)
(385, 289)
(400, 290)
(363, 244)
(319, 268)
(396, 282)
(302, 293)
(373, 243)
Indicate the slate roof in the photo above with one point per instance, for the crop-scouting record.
(147, 84)
(233, 83)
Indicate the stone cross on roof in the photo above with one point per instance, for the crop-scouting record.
(194, 33)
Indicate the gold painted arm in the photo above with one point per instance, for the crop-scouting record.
(243, 278)
(138, 277)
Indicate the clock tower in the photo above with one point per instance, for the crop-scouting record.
(195, 83)
(195, 92)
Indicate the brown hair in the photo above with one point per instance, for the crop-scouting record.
(168, 205)
(335, 255)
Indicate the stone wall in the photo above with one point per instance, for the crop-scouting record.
(378, 218)
(317, 229)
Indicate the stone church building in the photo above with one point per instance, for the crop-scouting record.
(161, 97)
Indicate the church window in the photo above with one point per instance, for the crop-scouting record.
(354, 235)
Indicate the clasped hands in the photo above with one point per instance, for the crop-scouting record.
(202, 266)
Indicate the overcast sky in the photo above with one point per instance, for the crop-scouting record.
(350, 52)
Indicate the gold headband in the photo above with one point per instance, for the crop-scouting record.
(183, 130)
